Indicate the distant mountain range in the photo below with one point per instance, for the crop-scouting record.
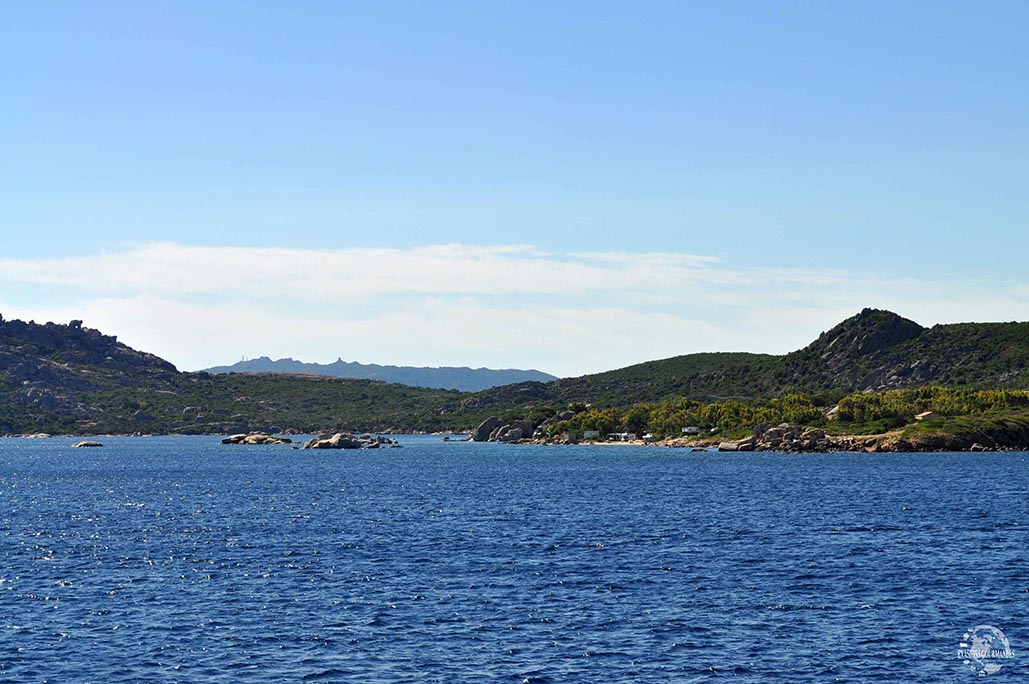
(459, 378)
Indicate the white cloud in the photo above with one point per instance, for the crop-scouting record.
(505, 306)
(305, 273)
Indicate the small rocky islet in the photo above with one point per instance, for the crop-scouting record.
(338, 440)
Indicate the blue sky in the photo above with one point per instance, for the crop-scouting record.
(877, 146)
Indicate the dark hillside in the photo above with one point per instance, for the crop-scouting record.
(879, 350)
(74, 380)
(873, 350)
(707, 375)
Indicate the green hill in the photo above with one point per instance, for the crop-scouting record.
(874, 350)
(66, 379)
(708, 376)
(878, 350)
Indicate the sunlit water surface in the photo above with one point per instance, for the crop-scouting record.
(182, 560)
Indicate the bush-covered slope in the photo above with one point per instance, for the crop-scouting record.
(203, 403)
(70, 379)
(709, 376)
(958, 418)
(880, 350)
(215, 404)
(874, 350)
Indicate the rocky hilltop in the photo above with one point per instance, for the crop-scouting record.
(46, 367)
(55, 353)
(873, 350)
(878, 350)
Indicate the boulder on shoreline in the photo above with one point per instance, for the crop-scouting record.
(512, 432)
(486, 428)
(790, 437)
(493, 430)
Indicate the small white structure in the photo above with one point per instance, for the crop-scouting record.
(691, 430)
(928, 415)
(590, 434)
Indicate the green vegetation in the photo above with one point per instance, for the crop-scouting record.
(857, 413)
(874, 350)
(1005, 428)
(201, 403)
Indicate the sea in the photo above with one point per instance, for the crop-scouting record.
(179, 559)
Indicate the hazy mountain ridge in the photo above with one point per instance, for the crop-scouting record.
(444, 377)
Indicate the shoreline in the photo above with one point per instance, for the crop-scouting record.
(896, 441)
(890, 442)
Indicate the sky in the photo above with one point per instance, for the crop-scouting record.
(572, 186)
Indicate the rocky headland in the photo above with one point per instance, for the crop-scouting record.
(1012, 435)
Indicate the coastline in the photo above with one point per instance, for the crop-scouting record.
(813, 441)
(896, 441)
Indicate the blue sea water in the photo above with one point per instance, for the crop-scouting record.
(182, 560)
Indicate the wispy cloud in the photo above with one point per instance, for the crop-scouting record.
(307, 274)
(510, 305)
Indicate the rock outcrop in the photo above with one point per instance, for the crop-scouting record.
(32, 351)
(783, 437)
(256, 438)
(512, 432)
(493, 430)
(790, 437)
(486, 428)
(345, 440)
(86, 443)
(45, 369)
(869, 332)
